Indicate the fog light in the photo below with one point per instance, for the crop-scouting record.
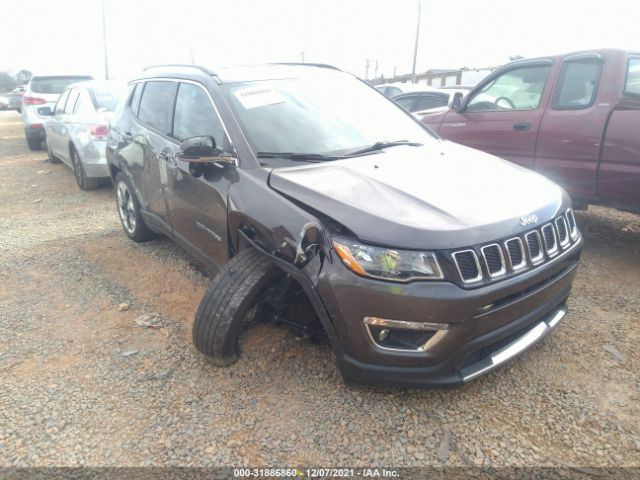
(383, 335)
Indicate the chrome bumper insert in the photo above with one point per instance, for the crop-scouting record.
(527, 340)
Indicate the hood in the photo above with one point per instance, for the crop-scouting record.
(442, 195)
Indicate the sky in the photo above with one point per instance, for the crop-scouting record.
(65, 36)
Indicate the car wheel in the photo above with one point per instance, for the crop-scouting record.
(34, 143)
(52, 158)
(229, 305)
(129, 211)
(82, 180)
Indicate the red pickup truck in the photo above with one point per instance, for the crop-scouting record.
(574, 118)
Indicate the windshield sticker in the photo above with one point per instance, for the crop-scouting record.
(253, 97)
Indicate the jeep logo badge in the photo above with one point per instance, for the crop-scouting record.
(528, 220)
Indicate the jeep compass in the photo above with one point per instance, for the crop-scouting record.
(317, 201)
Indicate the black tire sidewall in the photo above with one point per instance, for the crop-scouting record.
(222, 313)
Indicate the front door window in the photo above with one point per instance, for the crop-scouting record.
(516, 89)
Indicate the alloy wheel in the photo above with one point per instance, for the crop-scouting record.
(126, 208)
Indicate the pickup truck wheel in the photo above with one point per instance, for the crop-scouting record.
(229, 304)
(129, 211)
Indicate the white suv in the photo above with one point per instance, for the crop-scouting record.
(43, 91)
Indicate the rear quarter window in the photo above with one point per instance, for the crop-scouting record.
(578, 85)
(53, 85)
(632, 84)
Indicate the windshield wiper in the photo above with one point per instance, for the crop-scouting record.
(298, 156)
(380, 145)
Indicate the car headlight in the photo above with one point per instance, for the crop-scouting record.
(387, 263)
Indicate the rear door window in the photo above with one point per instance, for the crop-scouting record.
(156, 105)
(578, 84)
(431, 101)
(55, 85)
(406, 102)
(74, 93)
(59, 108)
(632, 84)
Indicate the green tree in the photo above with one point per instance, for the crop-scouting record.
(23, 76)
(7, 82)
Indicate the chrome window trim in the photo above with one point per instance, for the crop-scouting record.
(564, 244)
(402, 324)
(553, 251)
(523, 263)
(540, 257)
(475, 257)
(503, 268)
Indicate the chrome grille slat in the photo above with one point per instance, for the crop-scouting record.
(494, 260)
(550, 239)
(516, 255)
(524, 251)
(467, 264)
(563, 231)
(534, 247)
(571, 220)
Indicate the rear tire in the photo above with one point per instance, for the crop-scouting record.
(34, 144)
(228, 305)
(129, 211)
(84, 182)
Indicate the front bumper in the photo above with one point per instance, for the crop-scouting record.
(487, 326)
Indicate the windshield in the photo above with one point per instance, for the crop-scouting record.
(105, 99)
(323, 114)
(55, 85)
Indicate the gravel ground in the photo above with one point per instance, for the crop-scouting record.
(85, 383)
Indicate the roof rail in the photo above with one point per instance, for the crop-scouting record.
(321, 65)
(181, 65)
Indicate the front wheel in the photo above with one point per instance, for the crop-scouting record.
(129, 211)
(230, 303)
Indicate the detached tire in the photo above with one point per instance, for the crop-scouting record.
(228, 303)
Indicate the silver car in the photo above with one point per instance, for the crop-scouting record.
(77, 128)
(42, 91)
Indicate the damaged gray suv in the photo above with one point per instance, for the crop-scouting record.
(315, 200)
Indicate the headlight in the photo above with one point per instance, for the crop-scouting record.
(387, 263)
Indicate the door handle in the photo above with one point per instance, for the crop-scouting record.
(522, 126)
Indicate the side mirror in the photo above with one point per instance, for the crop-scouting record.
(456, 102)
(45, 111)
(203, 150)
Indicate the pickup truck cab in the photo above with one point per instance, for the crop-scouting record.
(574, 118)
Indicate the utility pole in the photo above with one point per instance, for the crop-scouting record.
(302, 56)
(375, 75)
(104, 43)
(191, 54)
(415, 48)
(366, 68)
